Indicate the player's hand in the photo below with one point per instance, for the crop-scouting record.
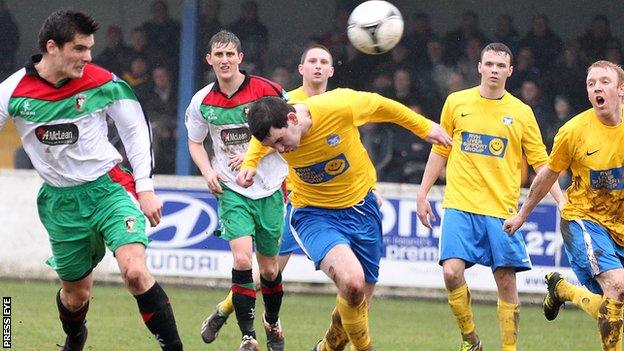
(513, 223)
(438, 136)
(378, 198)
(424, 211)
(236, 161)
(213, 179)
(245, 177)
(151, 205)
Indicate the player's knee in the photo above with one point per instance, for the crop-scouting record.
(242, 262)
(76, 299)
(452, 274)
(136, 279)
(269, 273)
(353, 290)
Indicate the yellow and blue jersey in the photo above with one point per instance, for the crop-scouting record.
(594, 153)
(331, 168)
(489, 139)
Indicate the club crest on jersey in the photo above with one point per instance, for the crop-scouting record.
(246, 111)
(507, 120)
(79, 102)
(130, 222)
(333, 139)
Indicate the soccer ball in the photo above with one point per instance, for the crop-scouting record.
(375, 27)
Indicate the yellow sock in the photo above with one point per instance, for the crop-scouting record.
(459, 300)
(581, 297)
(355, 323)
(335, 338)
(610, 324)
(509, 320)
(226, 306)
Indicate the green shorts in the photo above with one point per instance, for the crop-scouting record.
(263, 219)
(82, 220)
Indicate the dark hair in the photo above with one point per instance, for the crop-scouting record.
(315, 46)
(63, 25)
(269, 111)
(498, 47)
(224, 37)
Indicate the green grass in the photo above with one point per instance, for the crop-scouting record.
(396, 325)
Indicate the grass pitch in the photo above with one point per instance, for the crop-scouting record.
(396, 325)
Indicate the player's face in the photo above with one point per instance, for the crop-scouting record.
(494, 68)
(224, 59)
(604, 90)
(71, 58)
(284, 139)
(317, 66)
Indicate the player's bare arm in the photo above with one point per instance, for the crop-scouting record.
(200, 157)
(433, 169)
(439, 136)
(151, 205)
(542, 183)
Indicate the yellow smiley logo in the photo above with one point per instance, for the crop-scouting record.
(335, 167)
(496, 146)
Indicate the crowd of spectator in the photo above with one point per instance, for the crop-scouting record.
(420, 71)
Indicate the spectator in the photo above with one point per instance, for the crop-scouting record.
(163, 37)
(138, 44)
(614, 53)
(456, 40)
(10, 39)
(281, 76)
(416, 41)
(567, 79)
(544, 43)
(336, 38)
(116, 56)
(209, 25)
(437, 73)
(469, 60)
(254, 37)
(352, 68)
(506, 33)
(531, 94)
(160, 105)
(523, 69)
(138, 76)
(597, 37)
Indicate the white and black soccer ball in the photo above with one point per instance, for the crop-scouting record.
(375, 27)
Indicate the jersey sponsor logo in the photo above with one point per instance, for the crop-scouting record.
(610, 179)
(323, 171)
(79, 101)
(235, 136)
(57, 134)
(333, 139)
(483, 144)
(507, 120)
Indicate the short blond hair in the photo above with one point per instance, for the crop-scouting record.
(609, 65)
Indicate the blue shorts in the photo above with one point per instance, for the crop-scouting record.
(320, 229)
(480, 239)
(289, 244)
(590, 250)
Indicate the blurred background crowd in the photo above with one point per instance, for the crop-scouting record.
(549, 72)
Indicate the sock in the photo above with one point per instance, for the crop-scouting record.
(244, 300)
(335, 338)
(581, 297)
(509, 321)
(72, 321)
(610, 324)
(355, 323)
(226, 307)
(158, 317)
(459, 301)
(272, 293)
